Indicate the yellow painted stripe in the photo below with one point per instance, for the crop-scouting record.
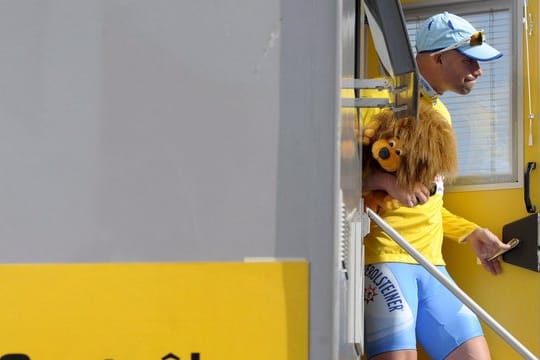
(145, 311)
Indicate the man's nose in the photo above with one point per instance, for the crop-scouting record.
(477, 70)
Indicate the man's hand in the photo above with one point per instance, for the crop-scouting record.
(418, 196)
(486, 244)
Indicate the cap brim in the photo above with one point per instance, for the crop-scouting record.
(482, 52)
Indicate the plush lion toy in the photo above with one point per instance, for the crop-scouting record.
(417, 151)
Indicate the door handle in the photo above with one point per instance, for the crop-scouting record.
(527, 184)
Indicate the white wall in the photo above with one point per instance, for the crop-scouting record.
(138, 130)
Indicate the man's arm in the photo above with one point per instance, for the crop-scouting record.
(385, 181)
(484, 243)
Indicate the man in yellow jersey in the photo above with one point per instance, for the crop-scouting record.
(403, 302)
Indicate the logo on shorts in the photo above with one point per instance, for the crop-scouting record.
(386, 311)
(369, 294)
(385, 283)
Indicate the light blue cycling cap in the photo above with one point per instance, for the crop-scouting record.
(446, 30)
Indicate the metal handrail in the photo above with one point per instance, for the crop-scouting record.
(502, 332)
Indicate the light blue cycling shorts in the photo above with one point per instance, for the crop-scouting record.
(404, 304)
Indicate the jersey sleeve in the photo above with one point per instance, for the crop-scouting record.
(455, 227)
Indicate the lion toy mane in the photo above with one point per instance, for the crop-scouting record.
(416, 151)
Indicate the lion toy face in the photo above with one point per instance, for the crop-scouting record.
(388, 153)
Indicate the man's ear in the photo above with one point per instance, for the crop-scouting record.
(438, 58)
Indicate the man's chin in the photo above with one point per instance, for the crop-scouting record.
(466, 90)
(468, 86)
